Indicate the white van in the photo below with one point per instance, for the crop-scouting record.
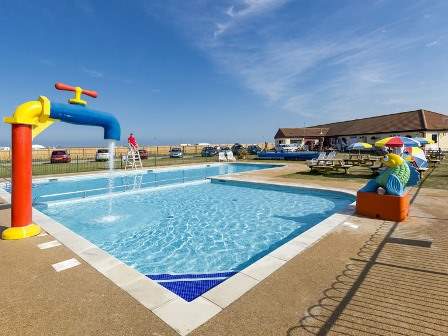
(286, 148)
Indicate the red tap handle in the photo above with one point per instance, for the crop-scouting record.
(65, 87)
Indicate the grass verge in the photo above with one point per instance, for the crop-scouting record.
(437, 178)
(355, 174)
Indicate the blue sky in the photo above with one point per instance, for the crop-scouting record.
(224, 71)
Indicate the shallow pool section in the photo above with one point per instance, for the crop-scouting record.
(190, 237)
(85, 186)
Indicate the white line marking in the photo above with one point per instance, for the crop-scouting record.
(42, 234)
(49, 244)
(124, 194)
(66, 264)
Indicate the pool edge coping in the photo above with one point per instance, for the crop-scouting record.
(180, 315)
(122, 172)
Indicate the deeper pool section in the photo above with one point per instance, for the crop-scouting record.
(189, 237)
(79, 187)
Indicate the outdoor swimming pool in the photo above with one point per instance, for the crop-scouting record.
(54, 189)
(191, 236)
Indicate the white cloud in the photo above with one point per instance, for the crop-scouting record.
(432, 43)
(293, 73)
(92, 73)
(320, 68)
(243, 10)
(230, 11)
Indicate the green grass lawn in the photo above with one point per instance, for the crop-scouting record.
(437, 178)
(355, 174)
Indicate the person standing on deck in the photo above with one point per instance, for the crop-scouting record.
(132, 142)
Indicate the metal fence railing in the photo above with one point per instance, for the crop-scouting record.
(84, 163)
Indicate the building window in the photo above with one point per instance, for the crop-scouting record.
(434, 138)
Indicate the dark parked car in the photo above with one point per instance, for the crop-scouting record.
(144, 155)
(238, 149)
(60, 156)
(253, 149)
(209, 151)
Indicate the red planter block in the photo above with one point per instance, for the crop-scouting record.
(386, 207)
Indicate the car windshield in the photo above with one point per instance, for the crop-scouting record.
(103, 151)
(61, 152)
(175, 150)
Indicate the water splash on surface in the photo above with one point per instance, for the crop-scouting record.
(111, 175)
(108, 219)
(111, 155)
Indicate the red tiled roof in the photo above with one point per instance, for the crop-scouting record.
(435, 121)
(301, 132)
(419, 120)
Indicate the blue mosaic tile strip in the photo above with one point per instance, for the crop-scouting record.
(190, 290)
(166, 276)
(185, 285)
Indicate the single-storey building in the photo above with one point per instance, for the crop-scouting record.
(419, 123)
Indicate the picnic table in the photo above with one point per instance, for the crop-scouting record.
(435, 154)
(367, 161)
(332, 165)
(353, 162)
(433, 162)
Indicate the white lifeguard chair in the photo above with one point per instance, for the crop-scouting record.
(133, 160)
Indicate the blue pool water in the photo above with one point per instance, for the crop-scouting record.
(59, 189)
(190, 237)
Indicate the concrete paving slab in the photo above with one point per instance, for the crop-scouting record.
(230, 290)
(264, 267)
(99, 259)
(186, 316)
(123, 275)
(149, 293)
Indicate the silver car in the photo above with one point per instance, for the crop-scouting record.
(176, 152)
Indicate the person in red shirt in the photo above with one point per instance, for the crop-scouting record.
(132, 141)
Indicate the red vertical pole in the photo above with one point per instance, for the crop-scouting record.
(21, 205)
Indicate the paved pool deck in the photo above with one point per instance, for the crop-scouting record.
(366, 277)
